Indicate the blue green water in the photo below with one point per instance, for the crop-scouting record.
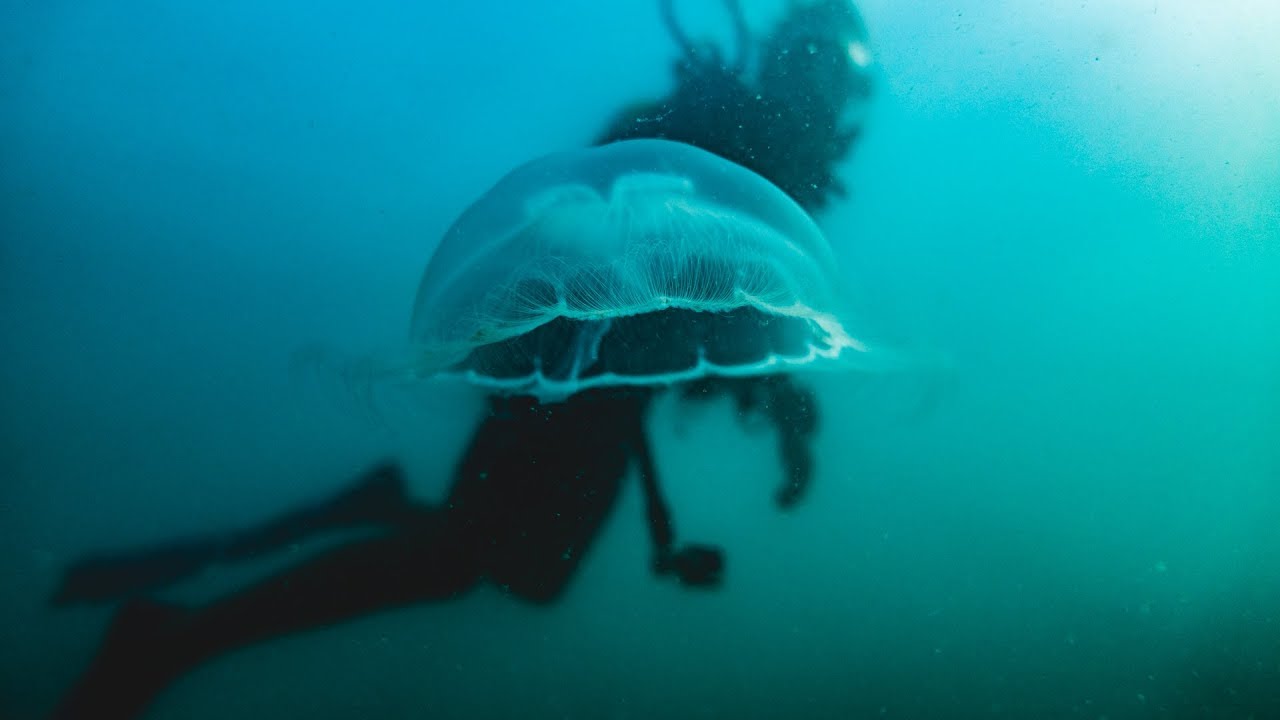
(1078, 202)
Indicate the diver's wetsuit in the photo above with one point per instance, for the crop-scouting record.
(529, 496)
(531, 492)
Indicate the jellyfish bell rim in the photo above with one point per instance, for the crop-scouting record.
(439, 357)
(486, 255)
(839, 352)
(859, 358)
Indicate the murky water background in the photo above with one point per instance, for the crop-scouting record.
(1078, 202)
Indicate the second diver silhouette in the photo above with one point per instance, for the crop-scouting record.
(533, 488)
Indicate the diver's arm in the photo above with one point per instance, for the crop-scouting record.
(794, 413)
(790, 408)
(797, 461)
(694, 565)
(661, 533)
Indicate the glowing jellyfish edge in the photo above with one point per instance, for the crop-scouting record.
(615, 213)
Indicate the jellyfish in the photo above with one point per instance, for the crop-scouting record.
(642, 262)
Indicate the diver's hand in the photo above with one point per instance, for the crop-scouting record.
(797, 461)
(788, 495)
(694, 565)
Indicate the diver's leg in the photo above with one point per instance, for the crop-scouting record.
(150, 645)
(108, 577)
(376, 498)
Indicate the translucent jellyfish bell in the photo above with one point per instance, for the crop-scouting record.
(644, 262)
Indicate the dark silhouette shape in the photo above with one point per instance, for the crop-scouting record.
(790, 408)
(793, 122)
(529, 496)
(376, 500)
(535, 484)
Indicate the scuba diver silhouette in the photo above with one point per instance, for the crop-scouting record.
(536, 482)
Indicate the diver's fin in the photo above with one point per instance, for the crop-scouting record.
(137, 661)
(378, 497)
(107, 578)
